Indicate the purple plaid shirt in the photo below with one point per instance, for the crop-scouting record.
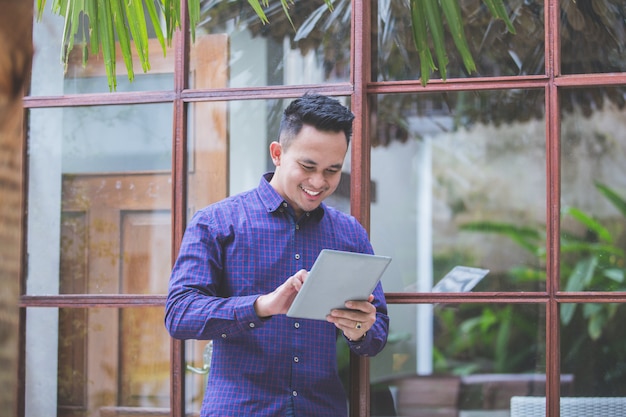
(232, 252)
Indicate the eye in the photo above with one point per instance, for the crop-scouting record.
(307, 167)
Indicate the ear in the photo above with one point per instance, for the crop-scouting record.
(276, 151)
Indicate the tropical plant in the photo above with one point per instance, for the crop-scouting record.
(592, 259)
(97, 24)
(476, 338)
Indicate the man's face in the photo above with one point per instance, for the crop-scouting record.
(309, 170)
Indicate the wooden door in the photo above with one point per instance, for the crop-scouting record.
(116, 239)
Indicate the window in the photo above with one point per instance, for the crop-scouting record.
(516, 170)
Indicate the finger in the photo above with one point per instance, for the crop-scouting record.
(364, 306)
(299, 278)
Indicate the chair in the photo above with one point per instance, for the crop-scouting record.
(570, 406)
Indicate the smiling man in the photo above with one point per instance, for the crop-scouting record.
(242, 262)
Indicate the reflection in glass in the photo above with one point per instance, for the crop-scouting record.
(229, 150)
(593, 189)
(98, 362)
(592, 348)
(455, 188)
(495, 51)
(198, 368)
(471, 358)
(99, 200)
(316, 49)
(50, 77)
(593, 34)
(228, 153)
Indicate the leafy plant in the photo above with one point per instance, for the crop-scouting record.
(473, 338)
(592, 259)
(97, 24)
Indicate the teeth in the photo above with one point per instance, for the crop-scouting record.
(311, 193)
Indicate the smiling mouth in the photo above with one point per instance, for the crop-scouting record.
(311, 193)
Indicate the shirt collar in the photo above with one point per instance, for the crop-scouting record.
(273, 201)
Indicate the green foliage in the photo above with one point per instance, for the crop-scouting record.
(99, 24)
(475, 338)
(592, 259)
(426, 18)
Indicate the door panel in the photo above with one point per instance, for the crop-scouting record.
(116, 239)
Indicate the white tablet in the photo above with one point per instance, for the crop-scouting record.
(460, 279)
(334, 278)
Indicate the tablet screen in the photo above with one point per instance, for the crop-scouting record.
(337, 277)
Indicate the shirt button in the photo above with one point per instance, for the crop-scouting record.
(284, 204)
(308, 214)
(297, 227)
(296, 359)
(251, 325)
(297, 256)
(294, 393)
(296, 325)
(223, 335)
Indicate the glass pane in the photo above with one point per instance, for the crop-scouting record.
(450, 360)
(592, 349)
(455, 188)
(494, 50)
(97, 362)
(229, 150)
(228, 154)
(99, 200)
(593, 36)
(50, 79)
(593, 190)
(316, 49)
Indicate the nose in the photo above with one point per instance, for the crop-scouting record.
(317, 180)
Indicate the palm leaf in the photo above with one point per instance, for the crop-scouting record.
(577, 281)
(108, 20)
(123, 33)
(156, 23)
(613, 197)
(194, 17)
(569, 245)
(137, 23)
(497, 9)
(420, 36)
(452, 12)
(590, 223)
(256, 6)
(105, 26)
(435, 25)
(526, 237)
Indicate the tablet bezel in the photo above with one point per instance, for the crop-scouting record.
(337, 277)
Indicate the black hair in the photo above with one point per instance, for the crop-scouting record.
(316, 110)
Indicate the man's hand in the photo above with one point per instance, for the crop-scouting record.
(279, 300)
(357, 320)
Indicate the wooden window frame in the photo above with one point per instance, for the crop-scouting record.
(360, 89)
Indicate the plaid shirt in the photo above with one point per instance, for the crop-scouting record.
(232, 252)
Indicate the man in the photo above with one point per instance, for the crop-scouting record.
(242, 262)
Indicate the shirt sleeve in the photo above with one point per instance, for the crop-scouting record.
(194, 309)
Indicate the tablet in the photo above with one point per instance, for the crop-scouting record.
(334, 278)
(460, 279)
